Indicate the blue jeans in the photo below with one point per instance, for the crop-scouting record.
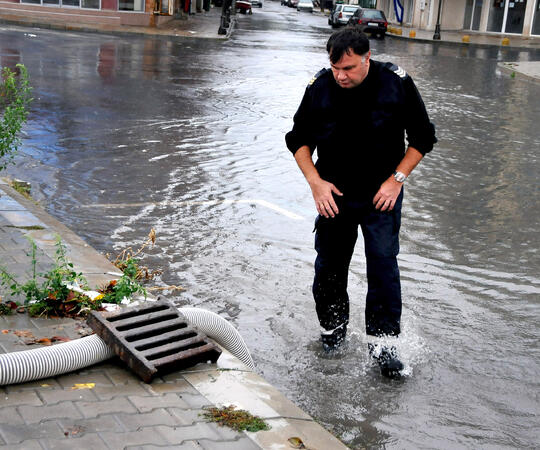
(335, 239)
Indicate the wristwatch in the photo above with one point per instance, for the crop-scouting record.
(400, 177)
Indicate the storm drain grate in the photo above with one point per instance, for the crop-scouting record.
(153, 339)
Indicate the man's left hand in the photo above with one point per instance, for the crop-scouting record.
(386, 196)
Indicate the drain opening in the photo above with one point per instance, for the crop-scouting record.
(140, 312)
(174, 351)
(155, 332)
(143, 323)
(170, 340)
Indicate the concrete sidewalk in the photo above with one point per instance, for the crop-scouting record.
(117, 410)
(528, 70)
(474, 38)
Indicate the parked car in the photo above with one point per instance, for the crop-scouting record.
(371, 21)
(258, 3)
(292, 3)
(305, 5)
(341, 14)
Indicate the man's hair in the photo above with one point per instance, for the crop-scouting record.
(346, 40)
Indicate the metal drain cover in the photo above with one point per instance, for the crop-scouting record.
(153, 339)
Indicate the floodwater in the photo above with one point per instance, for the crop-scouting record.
(187, 137)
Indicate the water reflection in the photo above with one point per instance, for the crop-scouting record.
(10, 57)
(107, 62)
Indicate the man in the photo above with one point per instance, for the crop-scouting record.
(356, 115)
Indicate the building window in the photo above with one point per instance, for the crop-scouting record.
(131, 5)
(92, 4)
(515, 16)
(496, 16)
(507, 16)
(477, 14)
(536, 19)
(473, 11)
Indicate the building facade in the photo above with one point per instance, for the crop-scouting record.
(103, 12)
(518, 17)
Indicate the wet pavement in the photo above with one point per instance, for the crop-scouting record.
(133, 132)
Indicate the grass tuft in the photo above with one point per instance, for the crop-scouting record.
(238, 420)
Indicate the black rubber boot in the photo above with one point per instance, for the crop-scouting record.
(388, 361)
(331, 341)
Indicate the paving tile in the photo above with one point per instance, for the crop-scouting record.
(48, 323)
(36, 414)
(197, 431)
(37, 385)
(53, 396)
(146, 436)
(191, 445)
(145, 404)
(10, 416)
(130, 389)
(70, 380)
(20, 398)
(88, 441)
(243, 443)
(22, 218)
(8, 204)
(31, 444)
(160, 416)
(197, 401)
(114, 406)
(116, 371)
(83, 426)
(181, 386)
(186, 417)
(16, 434)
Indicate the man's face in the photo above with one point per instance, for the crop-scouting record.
(351, 69)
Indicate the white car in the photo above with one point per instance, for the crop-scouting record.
(341, 14)
(305, 5)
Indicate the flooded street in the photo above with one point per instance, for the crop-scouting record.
(127, 133)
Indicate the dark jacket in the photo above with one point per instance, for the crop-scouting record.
(359, 133)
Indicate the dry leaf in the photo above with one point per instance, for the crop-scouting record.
(84, 386)
(5, 331)
(23, 333)
(43, 341)
(296, 442)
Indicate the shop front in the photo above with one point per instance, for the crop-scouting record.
(105, 12)
(520, 17)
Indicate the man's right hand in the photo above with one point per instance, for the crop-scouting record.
(321, 190)
(324, 200)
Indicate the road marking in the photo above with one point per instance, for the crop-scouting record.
(256, 201)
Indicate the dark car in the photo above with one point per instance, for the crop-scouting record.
(371, 21)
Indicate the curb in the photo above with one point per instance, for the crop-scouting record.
(514, 72)
(457, 43)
